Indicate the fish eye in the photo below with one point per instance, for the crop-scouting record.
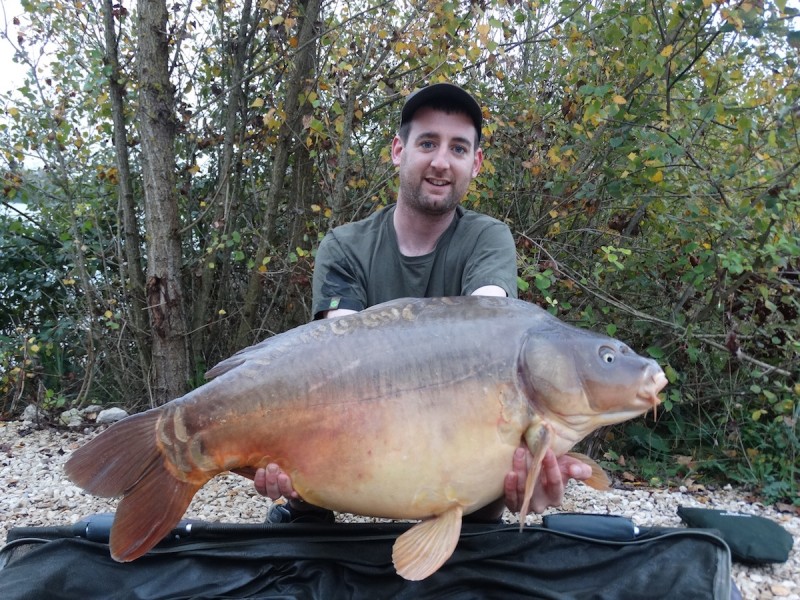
(607, 355)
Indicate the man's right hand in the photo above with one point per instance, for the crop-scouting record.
(274, 483)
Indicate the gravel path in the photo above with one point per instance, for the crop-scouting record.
(36, 492)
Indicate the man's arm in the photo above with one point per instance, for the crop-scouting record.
(337, 312)
(489, 290)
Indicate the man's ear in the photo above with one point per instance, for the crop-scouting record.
(477, 162)
(397, 150)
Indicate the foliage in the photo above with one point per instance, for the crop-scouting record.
(644, 154)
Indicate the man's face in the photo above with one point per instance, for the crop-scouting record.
(437, 162)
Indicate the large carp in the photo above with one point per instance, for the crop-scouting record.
(410, 410)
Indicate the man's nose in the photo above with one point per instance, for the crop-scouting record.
(440, 160)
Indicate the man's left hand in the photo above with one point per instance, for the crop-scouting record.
(553, 478)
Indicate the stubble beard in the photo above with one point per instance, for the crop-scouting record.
(417, 200)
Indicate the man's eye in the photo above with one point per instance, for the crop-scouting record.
(460, 149)
(426, 145)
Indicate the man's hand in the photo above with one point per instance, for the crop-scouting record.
(274, 483)
(553, 478)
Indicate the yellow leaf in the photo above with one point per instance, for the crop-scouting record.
(315, 208)
(108, 314)
(619, 99)
(35, 348)
(257, 103)
(13, 112)
(194, 169)
(657, 177)
(667, 51)
(554, 213)
(222, 312)
(632, 156)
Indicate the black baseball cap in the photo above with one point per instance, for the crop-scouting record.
(446, 93)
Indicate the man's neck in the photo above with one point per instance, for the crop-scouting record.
(417, 233)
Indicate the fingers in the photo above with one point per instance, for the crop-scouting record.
(260, 482)
(550, 486)
(551, 473)
(510, 489)
(573, 468)
(274, 483)
(514, 483)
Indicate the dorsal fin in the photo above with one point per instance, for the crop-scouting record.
(421, 550)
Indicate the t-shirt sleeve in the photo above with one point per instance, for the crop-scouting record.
(336, 282)
(493, 261)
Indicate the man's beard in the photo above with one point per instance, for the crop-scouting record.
(417, 200)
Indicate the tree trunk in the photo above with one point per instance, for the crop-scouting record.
(227, 184)
(131, 271)
(303, 68)
(157, 126)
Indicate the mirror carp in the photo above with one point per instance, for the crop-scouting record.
(411, 409)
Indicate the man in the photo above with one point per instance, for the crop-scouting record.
(425, 245)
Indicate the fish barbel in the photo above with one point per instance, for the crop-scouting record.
(411, 409)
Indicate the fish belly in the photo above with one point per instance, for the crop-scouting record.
(409, 457)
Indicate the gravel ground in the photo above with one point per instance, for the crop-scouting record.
(36, 492)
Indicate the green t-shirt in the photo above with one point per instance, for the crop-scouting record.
(359, 264)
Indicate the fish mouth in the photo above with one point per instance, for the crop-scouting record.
(650, 395)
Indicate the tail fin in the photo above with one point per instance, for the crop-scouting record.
(149, 512)
(125, 460)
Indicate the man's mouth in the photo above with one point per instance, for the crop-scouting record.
(437, 182)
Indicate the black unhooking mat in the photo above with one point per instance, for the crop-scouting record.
(352, 561)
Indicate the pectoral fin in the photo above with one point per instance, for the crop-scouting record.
(598, 480)
(537, 437)
(421, 550)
